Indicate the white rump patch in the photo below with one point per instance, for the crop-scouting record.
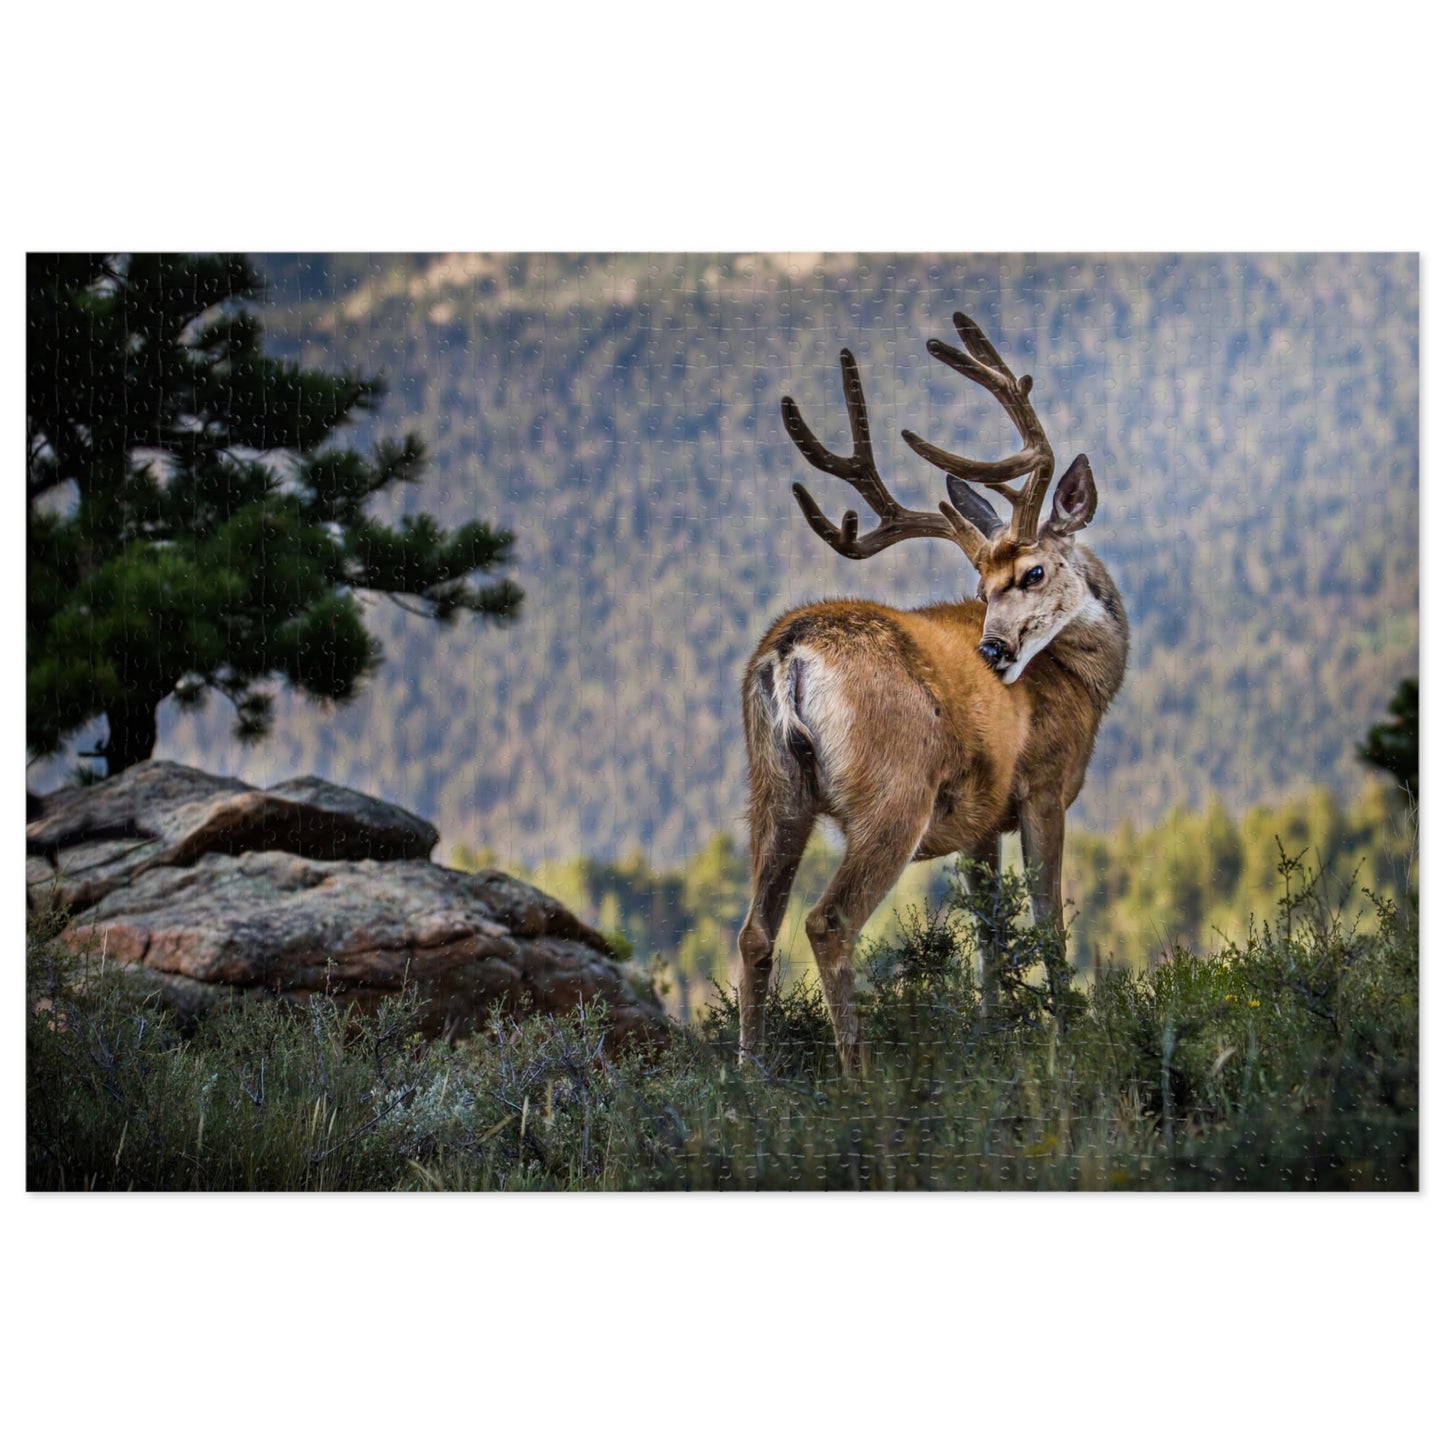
(823, 714)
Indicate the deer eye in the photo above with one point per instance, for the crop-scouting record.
(1032, 577)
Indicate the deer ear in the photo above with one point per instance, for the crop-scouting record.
(1075, 498)
(974, 507)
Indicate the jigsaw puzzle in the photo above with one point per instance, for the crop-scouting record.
(482, 733)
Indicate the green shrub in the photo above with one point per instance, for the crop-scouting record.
(1289, 1061)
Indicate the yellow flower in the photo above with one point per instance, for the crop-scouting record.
(1230, 998)
(1254, 1003)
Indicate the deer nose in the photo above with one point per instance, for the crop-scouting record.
(994, 652)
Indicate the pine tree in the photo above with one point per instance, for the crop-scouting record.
(1395, 745)
(192, 522)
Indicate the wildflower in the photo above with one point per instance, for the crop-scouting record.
(1231, 998)
(1254, 1003)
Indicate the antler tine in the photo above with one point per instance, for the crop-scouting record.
(861, 473)
(982, 363)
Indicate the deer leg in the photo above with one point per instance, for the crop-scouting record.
(873, 863)
(1041, 830)
(777, 847)
(987, 854)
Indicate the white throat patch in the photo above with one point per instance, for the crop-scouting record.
(1092, 610)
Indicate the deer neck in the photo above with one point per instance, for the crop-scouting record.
(1094, 648)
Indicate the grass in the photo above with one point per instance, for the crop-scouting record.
(1288, 1062)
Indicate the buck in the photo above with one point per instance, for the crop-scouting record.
(933, 731)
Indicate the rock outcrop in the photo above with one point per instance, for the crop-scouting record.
(206, 887)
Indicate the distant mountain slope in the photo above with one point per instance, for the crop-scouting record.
(1252, 422)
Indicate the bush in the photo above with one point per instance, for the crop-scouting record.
(1287, 1062)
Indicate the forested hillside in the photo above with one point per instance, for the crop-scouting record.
(1252, 422)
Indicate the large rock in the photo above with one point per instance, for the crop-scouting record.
(207, 887)
(91, 840)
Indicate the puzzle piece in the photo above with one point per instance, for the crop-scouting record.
(221, 527)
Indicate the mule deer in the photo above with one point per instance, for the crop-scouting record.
(932, 731)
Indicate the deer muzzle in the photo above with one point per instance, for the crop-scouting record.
(998, 655)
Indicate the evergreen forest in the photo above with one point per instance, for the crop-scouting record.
(1252, 422)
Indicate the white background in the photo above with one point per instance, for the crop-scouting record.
(759, 127)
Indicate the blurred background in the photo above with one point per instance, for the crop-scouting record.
(1252, 421)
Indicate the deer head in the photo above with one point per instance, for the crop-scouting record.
(1028, 577)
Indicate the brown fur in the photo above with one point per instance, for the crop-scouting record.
(942, 757)
(893, 724)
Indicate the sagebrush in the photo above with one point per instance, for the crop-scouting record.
(1288, 1062)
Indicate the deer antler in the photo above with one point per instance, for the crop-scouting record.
(982, 363)
(860, 472)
